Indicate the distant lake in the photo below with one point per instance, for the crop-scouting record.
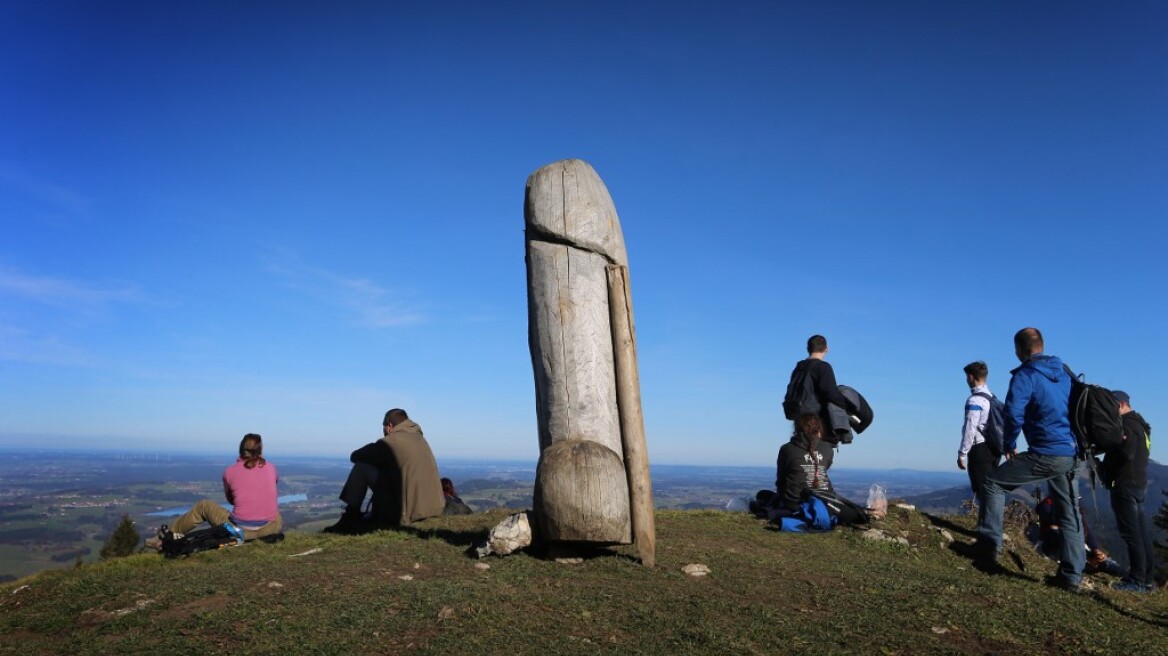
(288, 498)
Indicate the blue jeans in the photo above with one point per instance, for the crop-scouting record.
(1062, 473)
(1132, 522)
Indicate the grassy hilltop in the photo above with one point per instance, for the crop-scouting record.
(417, 591)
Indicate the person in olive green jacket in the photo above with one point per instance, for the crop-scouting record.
(400, 470)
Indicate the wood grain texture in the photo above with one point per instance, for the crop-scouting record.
(582, 483)
(581, 494)
(567, 202)
(628, 394)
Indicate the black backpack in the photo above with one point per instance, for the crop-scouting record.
(994, 430)
(800, 398)
(207, 539)
(1094, 415)
(846, 511)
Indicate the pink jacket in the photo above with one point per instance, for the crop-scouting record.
(252, 492)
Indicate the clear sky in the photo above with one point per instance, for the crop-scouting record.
(288, 217)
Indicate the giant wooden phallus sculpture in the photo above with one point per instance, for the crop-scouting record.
(592, 484)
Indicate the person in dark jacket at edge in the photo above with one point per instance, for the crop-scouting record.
(1038, 404)
(822, 381)
(1125, 472)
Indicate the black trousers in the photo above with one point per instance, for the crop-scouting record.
(1132, 522)
(980, 462)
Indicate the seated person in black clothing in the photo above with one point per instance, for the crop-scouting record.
(800, 470)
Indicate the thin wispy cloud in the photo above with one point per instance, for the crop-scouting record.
(20, 345)
(367, 303)
(63, 292)
(53, 196)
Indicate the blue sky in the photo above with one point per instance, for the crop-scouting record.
(286, 218)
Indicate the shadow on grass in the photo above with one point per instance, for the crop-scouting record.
(1128, 612)
(469, 539)
(463, 538)
(458, 538)
(941, 522)
(970, 552)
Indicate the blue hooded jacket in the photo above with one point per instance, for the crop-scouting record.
(1037, 404)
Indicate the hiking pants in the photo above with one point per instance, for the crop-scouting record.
(1028, 468)
(980, 463)
(216, 515)
(362, 477)
(1128, 504)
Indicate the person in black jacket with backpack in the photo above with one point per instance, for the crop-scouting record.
(811, 389)
(1125, 471)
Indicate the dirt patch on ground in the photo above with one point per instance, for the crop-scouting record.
(195, 606)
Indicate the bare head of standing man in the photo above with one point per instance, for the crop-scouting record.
(1028, 342)
(817, 346)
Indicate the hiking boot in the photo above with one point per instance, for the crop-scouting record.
(986, 558)
(989, 566)
(160, 538)
(1060, 582)
(350, 523)
(1130, 586)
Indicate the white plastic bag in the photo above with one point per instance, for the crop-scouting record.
(877, 501)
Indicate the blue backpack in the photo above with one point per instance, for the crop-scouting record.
(813, 515)
(994, 430)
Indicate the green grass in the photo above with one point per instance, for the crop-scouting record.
(392, 592)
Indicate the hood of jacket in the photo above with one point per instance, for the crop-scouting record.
(1049, 366)
(1135, 416)
(407, 426)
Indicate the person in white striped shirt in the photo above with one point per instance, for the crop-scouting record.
(975, 456)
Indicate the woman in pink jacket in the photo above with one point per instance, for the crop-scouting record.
(250, 487)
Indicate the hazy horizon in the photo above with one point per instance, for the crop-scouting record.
(457, 461)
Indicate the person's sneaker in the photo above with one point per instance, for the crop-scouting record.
(1129, 586)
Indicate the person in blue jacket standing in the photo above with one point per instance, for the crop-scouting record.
(1037, 404)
